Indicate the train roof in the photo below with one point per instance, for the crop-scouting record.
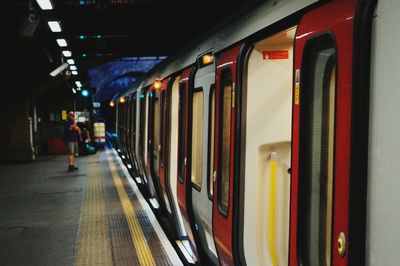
(228, 33)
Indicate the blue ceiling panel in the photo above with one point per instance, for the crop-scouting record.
(115, 76)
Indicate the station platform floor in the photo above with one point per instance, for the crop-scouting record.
(91, 216)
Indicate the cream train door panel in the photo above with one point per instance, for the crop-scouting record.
(202, 204)
(268, 150)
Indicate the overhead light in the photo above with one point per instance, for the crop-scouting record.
(58, 70)
(62, 42)
(78, 83)
(54, 26)
(73, 90)
(71, 61)
(122, 99)
(78, 89)
(112, 104)
(74, 73)
(73, 67)
(45, 4)
(67, 53)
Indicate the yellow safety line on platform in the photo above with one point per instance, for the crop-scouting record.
(272, 213)
(142, 248)
(94, 240)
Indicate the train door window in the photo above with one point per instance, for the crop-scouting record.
(163, 124)
(133, 135)
(225, 118)
(197, 136)
(155, 131)
(317, 116)
(142, 126)
(181, 132)
(156, 123)
(211, 140)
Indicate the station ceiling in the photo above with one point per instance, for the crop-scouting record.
(98, 31)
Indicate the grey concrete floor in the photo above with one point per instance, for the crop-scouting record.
(40, 205)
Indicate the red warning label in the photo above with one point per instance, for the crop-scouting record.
(273, 55)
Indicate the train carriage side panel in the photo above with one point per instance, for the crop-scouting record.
(383, 217)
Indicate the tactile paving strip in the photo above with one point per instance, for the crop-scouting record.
(123, 249)
(94, 241)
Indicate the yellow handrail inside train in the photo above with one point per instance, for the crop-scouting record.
(272, 212)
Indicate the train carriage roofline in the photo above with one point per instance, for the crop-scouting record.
(224, 36)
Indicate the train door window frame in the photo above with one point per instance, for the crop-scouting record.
(318, 153)
(211, 143)
(181, 131)
(225, 149)
(198, 149)
(134, 122)
(142, 125)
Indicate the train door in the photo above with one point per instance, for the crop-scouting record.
(142, 140)
(148, 147)
(133, 137)
(224, 211)
(164, 109)
(201, 120)
(171, 154)
(155, 142)
(139, 136)
(319, 224)
(184, 191)
(267, 117)
(128, 131)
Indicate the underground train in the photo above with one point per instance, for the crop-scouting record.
(275, 139)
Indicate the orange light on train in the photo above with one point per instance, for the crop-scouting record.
(112, 104)
(207, 59)
(157, 84)
(122, 99)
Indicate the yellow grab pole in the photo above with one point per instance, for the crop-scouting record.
(272, 212)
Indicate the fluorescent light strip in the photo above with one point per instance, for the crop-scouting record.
(62, 42)
(67, 53)
(54, 26)
(45, 4)
(73, 90)
(71, 61)
(73, 67)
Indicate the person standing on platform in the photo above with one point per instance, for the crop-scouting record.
(72, 132)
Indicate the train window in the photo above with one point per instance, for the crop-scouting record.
(211, 140)
(156, 124)
(142, 127)
(317, 149)
(163, 106)
(134, 123)
(225, 115)
(181, 132)
(156, 128)
(197, 136)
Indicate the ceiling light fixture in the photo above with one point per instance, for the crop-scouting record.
(72, 67)
(54, 26)
(71, 61)
(45, 4)
(74, 73)
(62, 42)
(78, 83)
(67, 53)
(73, 90)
